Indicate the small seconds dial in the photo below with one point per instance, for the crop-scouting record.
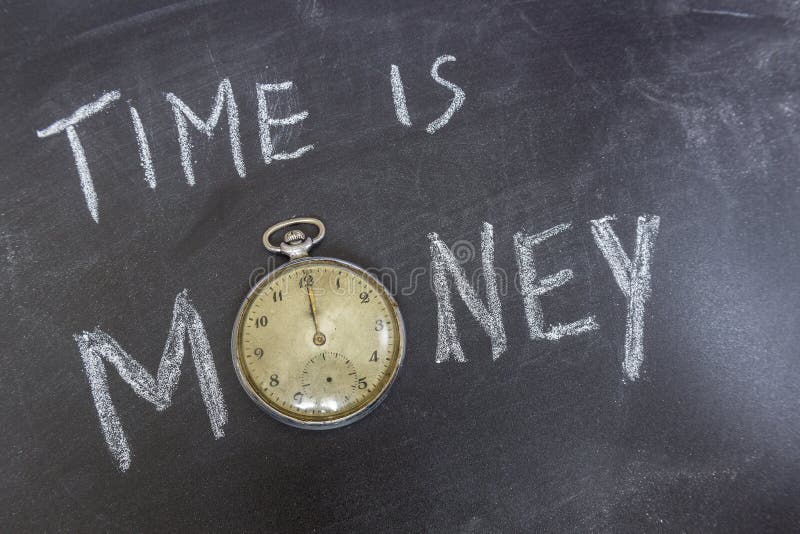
(318, 342)
(330, 380)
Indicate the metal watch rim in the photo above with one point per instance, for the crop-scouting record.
(333, 423)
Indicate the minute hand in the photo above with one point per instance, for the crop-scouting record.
(313, 304)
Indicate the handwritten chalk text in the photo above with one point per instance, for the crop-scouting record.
(224, 100)
(632, 276)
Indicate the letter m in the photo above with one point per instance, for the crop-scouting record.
(97, 346)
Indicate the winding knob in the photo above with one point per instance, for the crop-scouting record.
(294, 236)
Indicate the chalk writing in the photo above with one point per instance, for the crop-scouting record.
(265, 121)
(68, 124)
(144, 149)
(97, 346)
(489, 316)
(399, 95)
(183, 112)
(633, 278)
(531, 290)
(225, 100)
(458, 95)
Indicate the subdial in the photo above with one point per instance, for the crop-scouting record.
(329, 381)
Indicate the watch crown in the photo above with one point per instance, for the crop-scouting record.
(294, 236)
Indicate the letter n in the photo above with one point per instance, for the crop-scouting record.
(489, 315)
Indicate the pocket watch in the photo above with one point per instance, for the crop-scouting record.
(317, 342)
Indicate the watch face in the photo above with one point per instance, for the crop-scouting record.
(318, 342)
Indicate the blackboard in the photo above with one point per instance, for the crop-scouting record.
(679, 119)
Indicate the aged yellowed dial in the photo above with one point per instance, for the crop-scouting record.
(317, 342)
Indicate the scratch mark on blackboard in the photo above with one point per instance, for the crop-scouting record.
(213, 61)
(140, 19)
(528, 22)
(724, 13)
(581, 75)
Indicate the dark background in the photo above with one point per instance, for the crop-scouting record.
(689, 110)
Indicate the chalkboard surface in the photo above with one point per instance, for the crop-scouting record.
(616, 181)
